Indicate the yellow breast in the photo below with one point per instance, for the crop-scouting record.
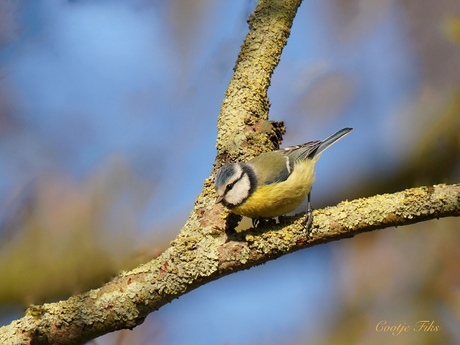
(276, 199)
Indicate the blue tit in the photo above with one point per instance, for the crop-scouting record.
(273, 183)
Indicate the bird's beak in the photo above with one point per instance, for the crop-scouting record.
(219, 199)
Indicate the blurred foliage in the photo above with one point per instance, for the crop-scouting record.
(451, 28)
(70, 236)
(433, 156)
(400, 276)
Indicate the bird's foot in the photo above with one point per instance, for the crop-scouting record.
(309, 218)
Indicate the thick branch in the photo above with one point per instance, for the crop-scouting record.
(243, 129)
(206, 255)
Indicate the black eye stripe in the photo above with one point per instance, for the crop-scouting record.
(232, 184)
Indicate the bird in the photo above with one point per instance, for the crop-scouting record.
(273, 183)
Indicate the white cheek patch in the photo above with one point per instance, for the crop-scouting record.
(239, 192)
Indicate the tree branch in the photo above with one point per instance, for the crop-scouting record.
(198, 257)
(243, 129)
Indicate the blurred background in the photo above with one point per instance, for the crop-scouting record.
(108, 113)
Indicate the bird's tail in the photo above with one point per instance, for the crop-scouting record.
(331, 140)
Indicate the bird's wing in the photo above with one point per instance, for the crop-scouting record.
(271, 167)
(301, 152)
(276, 166)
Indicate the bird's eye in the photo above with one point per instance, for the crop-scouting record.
(230, 186)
